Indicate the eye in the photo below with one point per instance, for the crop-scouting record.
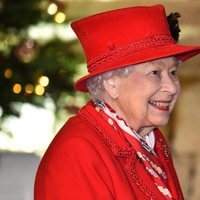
(155, 73)
(174, 73)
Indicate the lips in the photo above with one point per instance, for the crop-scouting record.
(161, 105)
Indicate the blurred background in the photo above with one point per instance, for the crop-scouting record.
(40, 58)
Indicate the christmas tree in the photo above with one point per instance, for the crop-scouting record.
(37, 60)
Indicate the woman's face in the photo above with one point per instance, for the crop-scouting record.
(146, 97)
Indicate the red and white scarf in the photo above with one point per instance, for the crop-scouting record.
(144, 147)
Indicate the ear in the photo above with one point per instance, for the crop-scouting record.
(111, 87)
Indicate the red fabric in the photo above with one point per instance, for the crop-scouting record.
(88, 160)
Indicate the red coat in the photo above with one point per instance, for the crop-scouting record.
(88, 160)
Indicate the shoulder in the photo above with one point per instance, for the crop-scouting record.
(70, 164)
(72, 151)
(75, 130)
(75, 140)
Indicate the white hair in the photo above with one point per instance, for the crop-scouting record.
(95, 84)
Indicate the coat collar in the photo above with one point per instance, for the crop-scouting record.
(116, 142)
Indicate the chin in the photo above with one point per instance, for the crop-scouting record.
(160, 122)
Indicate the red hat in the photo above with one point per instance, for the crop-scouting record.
(124, 37)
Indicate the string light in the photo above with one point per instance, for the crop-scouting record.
(52, 9)
(39, 90)
(43, 81)
(29, 88)
(17, 88)
(60, 17)
(8, 73)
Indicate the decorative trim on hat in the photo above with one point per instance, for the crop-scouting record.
(149, 42)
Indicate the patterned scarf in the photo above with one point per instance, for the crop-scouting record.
(143, 147)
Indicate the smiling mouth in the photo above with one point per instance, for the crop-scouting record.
(161, 105)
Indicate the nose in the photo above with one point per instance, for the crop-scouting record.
(170, 85)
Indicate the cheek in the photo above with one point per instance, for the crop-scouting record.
(175, 97)
(178, 90)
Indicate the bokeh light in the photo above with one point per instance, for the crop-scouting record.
(17, 88)
(8, 73)
(43, 81)
(52, 9)
(29, 88)
(39, 90)
(60, 17)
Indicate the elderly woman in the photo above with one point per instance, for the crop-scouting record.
(112, 149)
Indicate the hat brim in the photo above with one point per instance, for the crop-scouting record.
(181, 52)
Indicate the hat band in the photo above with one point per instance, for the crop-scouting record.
(149, 42)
